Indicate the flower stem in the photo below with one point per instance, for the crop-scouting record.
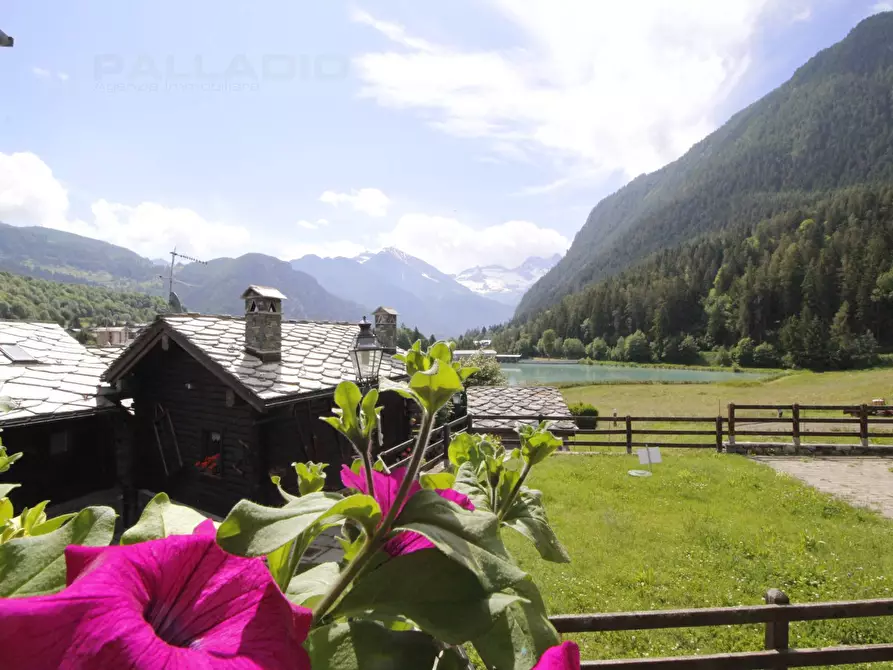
(377, 540)
(367, 466)
(412, 470)
(516, 489)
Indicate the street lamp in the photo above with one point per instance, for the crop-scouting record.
(5, 40)
(366, 354)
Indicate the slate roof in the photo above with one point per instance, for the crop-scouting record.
(64, 382)
(255, 291)
(315, 354)
(533, 401)
(107, 355)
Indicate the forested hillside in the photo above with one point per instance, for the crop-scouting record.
(829, 127)
(812, 287)
(27, 298)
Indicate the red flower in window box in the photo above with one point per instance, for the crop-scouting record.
(209, 465)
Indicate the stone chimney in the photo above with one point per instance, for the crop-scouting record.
(263, 322)
(386, 328)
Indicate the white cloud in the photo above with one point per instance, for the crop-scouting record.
(453, 246)
(31, 195)
(62, 75)
(41, 72)
(591, 85)
(881, 7)
(370, 201)
(311, 225)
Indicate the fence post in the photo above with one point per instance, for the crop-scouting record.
(629, 434)
(719, 434)
(777, 632)
(732, 427)
(446, 440)
(469, 424)
(863, 425)
(795, 425)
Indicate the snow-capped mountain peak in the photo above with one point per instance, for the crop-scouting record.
(507, 285)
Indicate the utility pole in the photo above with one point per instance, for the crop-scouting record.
(6, 40)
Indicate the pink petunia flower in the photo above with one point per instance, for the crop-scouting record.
(386, 487)
(177, 603)
(566, 656)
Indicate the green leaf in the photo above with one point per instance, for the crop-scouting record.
(437, 480)
(6, 488)
(283, 562)
(528, 516)
(255, 530)
(469, 483)
(360, 508)
(34, 516)
(161, 518)
(436, 386)
(370, 412)
(367, 645)
(401, 389)
(307, 588)
(469, 538)
(277, 482)
(466, 447)
(441, 351)
(6, 461)
(32, 566)
(509, 474)
(51, 524)
(439, 595)
(311, 476)
(537, 443)
(6, 510)
(520, 634)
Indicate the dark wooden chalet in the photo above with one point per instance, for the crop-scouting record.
(221, 403)
(55, 412)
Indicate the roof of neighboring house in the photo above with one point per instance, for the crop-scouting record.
(532, 401)
(386, 310)
(62, 380)
(108, 355)
(315, 355)
(254, 291)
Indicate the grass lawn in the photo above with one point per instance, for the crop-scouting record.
(705, 530)
(710, 400)
(806, 388)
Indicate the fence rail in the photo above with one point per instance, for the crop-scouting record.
(777, 615)
(725, 430)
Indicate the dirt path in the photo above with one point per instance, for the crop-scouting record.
(862, 481)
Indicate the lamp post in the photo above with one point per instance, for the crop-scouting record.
(6, 40)
(366, 355)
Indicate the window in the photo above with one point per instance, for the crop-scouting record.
(211, 462)
(16, 354)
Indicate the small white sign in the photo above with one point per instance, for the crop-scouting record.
(649, 455)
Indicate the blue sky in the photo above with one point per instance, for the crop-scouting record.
(465, 133)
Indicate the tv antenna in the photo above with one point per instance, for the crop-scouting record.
(171, 280)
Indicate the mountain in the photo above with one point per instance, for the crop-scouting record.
(507, 285)
(424, 296)
(213, 288)
(829, 127)
(65, 257)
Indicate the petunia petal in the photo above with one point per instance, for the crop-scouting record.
(566, 656)
(459, 498)
(180, 602)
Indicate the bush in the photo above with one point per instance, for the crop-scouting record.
(598, 349)
(723, 357)
(489, 374)
(636, 348)
(585, 415)
(743, 352)
(765, 356)
(573, 348)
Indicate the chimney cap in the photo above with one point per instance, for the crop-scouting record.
(386, 310)
(254, 291)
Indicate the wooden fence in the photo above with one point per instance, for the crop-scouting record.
(724, 432)
(396, 456)
(777, 615)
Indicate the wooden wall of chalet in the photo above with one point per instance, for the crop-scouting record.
(176, 395)
(63, 459)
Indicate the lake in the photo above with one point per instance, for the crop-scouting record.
(552, 373)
